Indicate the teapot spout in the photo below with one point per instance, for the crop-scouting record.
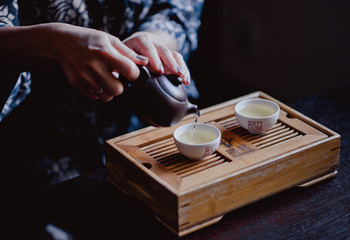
(191, 108)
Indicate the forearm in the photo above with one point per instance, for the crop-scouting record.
(24, 48)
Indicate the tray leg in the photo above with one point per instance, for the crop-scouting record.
(186, 231)
(319, 179)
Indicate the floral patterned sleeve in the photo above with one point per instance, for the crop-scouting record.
(180, 18)
(21, 82)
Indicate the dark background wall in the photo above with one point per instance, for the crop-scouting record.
(288, 49)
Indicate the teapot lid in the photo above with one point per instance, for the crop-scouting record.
(172, 85)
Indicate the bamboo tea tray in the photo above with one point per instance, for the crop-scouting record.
(187, 195)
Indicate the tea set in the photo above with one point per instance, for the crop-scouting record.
(162, 101)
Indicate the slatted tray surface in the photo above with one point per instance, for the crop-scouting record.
(187, 195)
(166, 153)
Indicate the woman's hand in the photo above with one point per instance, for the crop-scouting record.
(160, 49)
(90, 59)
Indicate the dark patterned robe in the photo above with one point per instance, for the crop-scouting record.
(48, 130)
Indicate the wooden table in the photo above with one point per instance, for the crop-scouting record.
(89, 207)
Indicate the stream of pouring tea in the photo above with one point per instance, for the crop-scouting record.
(194, 126)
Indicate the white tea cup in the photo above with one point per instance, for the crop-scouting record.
(197, 140)
(257, 115)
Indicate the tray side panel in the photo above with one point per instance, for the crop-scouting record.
(133, 180)
(256, 183)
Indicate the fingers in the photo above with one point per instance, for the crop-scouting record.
(161, 59)
(85, 86)
(116, 58)
(182, 69)
(168, 60)
(110, 86)
(174, 64)
(143, 44)
(120, 50)
(85, 82)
